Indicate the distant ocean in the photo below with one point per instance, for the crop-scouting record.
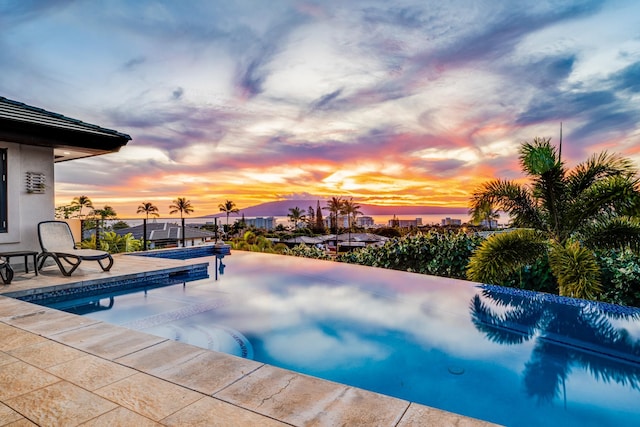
(427, 219)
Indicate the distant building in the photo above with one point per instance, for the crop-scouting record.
(405, 223)
(364, 221)
(451, 221)
(266, 223)
(493, 224)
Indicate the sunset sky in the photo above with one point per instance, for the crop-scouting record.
(388, 102)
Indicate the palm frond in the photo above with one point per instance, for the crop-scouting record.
(502, 254)
(598, 166)
(510, 197)
(618, 232)
(576, 269)
(539, 157)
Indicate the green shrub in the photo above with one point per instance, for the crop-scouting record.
(620, 276)
(439, 254)
(307, 252)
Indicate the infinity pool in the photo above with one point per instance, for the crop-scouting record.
(490, 353)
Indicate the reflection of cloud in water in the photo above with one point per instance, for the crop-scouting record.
(311, 346)
(432, 319)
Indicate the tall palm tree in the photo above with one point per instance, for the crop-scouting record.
(334, 206)
(563, 214)
(228, 207)
(82, 202)
(148, 208)
(182, 205)
(295, 216)
(351, 210)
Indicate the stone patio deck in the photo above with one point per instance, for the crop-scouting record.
(62, 369)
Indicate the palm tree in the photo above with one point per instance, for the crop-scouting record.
(80, 202)
(563, 214)
(182, 205)
(351, 210)
(148, 208)
(228, 207)
(296, 215)
(484, 212)
(335, 207)
(101, 215)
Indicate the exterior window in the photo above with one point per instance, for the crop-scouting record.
(3, 190)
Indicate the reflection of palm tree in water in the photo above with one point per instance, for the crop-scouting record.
(565, 336)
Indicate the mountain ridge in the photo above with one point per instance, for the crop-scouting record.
(281, 208)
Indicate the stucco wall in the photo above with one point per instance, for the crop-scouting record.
(25, 210)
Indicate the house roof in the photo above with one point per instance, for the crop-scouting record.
(70, 138)
(165, 231)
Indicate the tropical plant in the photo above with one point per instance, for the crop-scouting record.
(114, 243)
(228, 207)
(305, 251)
(311, 218)
(563, 214)
(82, 202)
(182, 205)
(119, 225)
(295, 216)
(351, 210)
(66, 211)
(148, 208)
(101, 215)
(439, 254)
(484, 213)
(334, 206)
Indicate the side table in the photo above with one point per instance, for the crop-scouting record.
(26, 254)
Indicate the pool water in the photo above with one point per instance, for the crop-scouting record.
(488, 353)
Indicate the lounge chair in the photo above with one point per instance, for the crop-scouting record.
(57, 242)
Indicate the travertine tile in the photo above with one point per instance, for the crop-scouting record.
(46, 354)
(160, 356)
(60, 404)
(5, 358)
(8, 415)
(121, 417)
(149, 396)
(19, 378)
(303, 400)
(22, 422)
(10, 307)
(12, 338)
(48, 322)
(209, 371)
(211, 412)
(106, 340)
(419, 415)
(360, 407)
(91, 372)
